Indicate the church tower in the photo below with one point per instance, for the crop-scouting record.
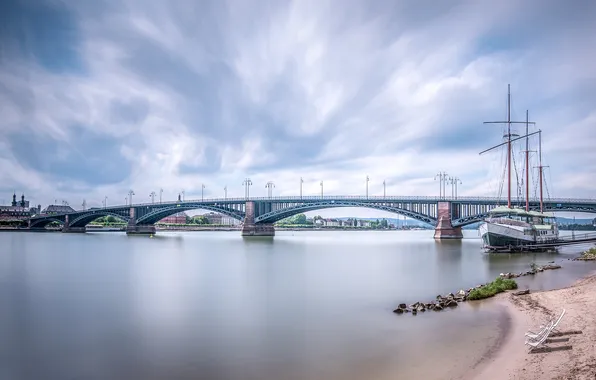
(14, 200)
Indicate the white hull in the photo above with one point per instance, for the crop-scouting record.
(501, 235)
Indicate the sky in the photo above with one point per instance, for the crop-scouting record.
(101, 97)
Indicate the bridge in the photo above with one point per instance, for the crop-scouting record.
(258, 215)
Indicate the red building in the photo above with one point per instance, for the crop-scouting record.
(179, 218)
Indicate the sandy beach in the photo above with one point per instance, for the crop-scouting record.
(565, 356)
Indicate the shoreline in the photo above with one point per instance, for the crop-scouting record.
(568, 356)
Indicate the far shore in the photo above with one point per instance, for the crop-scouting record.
(569, 356)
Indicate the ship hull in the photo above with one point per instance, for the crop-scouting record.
(503, 236)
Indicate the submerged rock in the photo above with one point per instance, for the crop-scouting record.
(521, 292)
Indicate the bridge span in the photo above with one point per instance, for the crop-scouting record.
(259, 214)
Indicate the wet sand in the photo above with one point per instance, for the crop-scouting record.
(568, 356)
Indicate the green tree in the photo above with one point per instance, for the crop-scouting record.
(299, 219)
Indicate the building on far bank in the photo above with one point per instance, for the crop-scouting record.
(18, 210)
(220, 219)
(57, 209)
(178, 218)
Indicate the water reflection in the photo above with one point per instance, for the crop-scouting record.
(213, 305)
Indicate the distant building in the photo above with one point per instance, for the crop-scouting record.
(57, 209)
(18, 210)
(220, 219)
(214, 218)
(178, 218)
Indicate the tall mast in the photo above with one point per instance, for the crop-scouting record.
(540, 168)
(527, 163)
(509, 145)
(509, 141)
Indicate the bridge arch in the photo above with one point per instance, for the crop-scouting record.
(277, 215)
(42, 223)
(84, 219)
(157, 215)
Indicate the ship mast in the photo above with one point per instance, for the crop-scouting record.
(527, 164)
(540, 169)
(509, 145)
(509, 122)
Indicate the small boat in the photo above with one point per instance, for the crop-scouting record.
(509, 228)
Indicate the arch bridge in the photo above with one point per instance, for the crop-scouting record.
(258, 215)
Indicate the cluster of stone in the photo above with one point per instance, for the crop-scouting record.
(530, 272)
(588, 255)
(442, 302)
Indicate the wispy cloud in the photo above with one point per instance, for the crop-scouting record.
(98, 97)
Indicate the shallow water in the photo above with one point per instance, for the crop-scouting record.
(212, 305)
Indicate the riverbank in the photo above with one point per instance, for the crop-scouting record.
(564, 357)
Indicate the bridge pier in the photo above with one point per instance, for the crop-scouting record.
(250, 228)
(79, 230)
(444, 228)
(140, 230)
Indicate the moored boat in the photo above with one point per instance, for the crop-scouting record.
(515, 228)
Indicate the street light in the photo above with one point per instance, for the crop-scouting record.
(246, 183)
(130, 194)
(105, 201)
(301, 182)
(84, 205)
(152, 196)
(384, 192)
(182, 195)
(160, 193)
(442, 179)
(202, 188)
(454, 181)
(321, 189)
(226, 192)
(367, 179)
(269, 186)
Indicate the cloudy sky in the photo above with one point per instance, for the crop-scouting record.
(99, 97)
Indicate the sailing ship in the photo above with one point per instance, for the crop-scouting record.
(515, 228)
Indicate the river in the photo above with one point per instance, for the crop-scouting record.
(212, 305)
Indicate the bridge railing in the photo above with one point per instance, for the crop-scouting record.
(371, 198)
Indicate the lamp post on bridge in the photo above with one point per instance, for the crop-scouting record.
(442, 179)
(246, 183)
(321, 189)
(84, 205)
(301, 182)
(384, 192)
(105, 201)
(202, 188)
(226, 192)
(269, 186)
(152, 196)
(367, 179)
(126, 201)
(454, 181)
(130, 194)
(160, 193)
(182, 192)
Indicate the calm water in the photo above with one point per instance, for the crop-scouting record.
(211, 305)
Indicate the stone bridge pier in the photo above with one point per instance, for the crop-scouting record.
(67, 228)
(444, 229)
(250, 228)
(132, 228)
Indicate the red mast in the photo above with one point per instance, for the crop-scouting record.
(527, 164)
(540, 168)
(509, 145)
